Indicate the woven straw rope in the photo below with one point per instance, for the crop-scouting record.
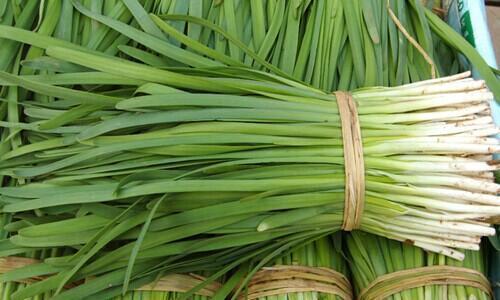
(280, 279)
(354, 165)
(392, 283)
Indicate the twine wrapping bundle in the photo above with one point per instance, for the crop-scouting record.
(169, 283)
(354, 166)
(280, 279)
(392, 283)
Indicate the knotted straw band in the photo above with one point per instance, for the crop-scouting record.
(182, 283)
(168, 283)
(354, 165)
(392, 283)
(280, 279)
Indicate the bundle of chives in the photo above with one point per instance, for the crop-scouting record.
(316, 270)
(102, 137)
(178, 283)
(371, 257)
(221, 169)
(92, 78)
(205, 34)
(332, 45)
(328, 44)
(156, 295)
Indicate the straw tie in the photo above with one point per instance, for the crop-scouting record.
(354, 165)
(282, 279)
(389, 284)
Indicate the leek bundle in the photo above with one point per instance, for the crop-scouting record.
(136, 171)
(316, 270)
(224, 165)
(173, 286)
(376, 42)
(372, 257)
(328, 44)
(331, 45)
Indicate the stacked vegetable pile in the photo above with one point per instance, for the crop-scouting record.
(139, 167)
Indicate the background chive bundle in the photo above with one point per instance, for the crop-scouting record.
(176, 286)
(148, 44)
(276, 36)
(332, 45)
(328, 44)
(371, 256)
(324, 252)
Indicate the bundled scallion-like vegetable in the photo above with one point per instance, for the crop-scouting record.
(173, 286)
(332, 45)
(196, 164)
(188, 162)
(385, 269)
(316, 270)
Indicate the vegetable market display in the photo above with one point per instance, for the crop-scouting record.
(150, 149)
